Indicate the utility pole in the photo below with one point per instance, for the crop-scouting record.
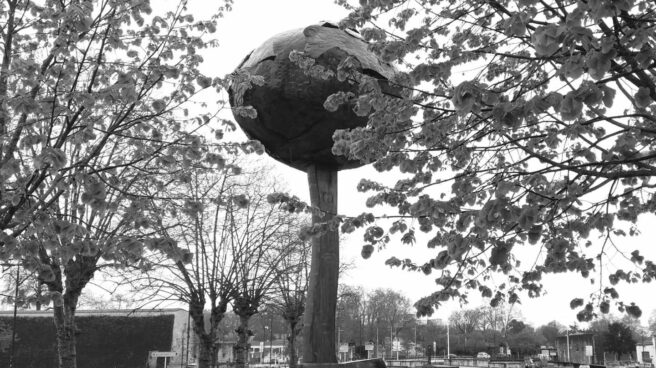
(13, 327)
(415, 352)
(271, 340)
(339, 344)
(568, 345)
(391, 339)
(376, 342)
(448, 341)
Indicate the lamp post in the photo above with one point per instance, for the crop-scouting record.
(264, 338)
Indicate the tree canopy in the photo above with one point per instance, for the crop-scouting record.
(523, 123)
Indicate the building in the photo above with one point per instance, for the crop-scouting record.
(548, 353)
(268, 352)
(577, 348)
(646, 352)
(105, 338)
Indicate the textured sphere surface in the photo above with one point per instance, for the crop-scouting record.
(291, 121)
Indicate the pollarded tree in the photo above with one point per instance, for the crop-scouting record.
(262, 236)
(524, 123)
(197, 265)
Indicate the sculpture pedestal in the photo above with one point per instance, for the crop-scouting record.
(319, 320)
(367, 363)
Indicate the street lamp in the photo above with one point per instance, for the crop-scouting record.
(266, 329)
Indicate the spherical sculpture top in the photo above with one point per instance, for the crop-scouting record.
(291, 121)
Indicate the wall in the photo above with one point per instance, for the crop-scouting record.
(461, 362)
(111, 338)
(102, 341)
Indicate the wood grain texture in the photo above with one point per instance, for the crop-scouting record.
(319, 319)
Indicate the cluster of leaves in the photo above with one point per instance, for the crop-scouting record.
(530, 123)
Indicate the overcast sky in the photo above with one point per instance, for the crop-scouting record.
(252, 22)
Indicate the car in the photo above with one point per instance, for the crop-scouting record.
(482, 355)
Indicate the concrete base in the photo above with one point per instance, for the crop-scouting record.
(318, 365)
(366, 363)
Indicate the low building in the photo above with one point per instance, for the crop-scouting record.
(646, 352)
(577, 348)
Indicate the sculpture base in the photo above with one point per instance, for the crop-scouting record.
(366, 363)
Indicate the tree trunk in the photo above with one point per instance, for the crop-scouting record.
(206, 348)
(291, 346)
(319, 318)
(241, 348)
(64, 316)
(207, 352)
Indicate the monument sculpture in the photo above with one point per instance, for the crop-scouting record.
(296, 129)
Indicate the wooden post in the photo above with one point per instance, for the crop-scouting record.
(321, 303)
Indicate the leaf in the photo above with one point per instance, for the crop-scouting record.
(335, 100)
(575, 303)
(633, 310)
(367, 250)
(158, 105)
(528, 217)
(643, 98)
(245, 111)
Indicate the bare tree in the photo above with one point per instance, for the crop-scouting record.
(261, 236)
(225, 244)
(466, 321)
(196, 262)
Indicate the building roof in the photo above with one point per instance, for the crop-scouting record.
(576, 334)
(95, 312)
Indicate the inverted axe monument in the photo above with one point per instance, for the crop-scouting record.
(296, 129)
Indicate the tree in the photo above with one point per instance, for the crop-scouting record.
(391, 310)
(551, 331)
(26, 291)
(197, 266)
(652, 322)
(261, 238)
(466, 322)
(93, 102)
(523, 123)
(619, 339)
(291, 284)
(351, 304)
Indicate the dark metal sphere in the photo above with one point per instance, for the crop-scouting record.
(291, 121)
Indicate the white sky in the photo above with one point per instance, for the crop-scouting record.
(253, 21)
